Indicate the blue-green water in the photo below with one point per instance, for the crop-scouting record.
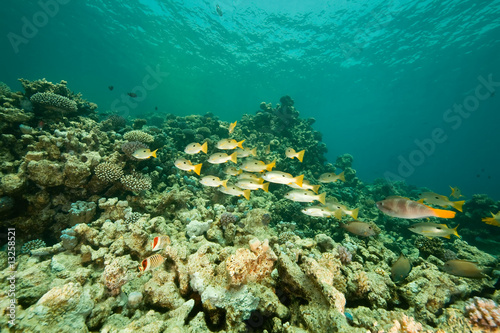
(378, 76)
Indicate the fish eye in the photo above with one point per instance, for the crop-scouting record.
(438, 228)
(436, 197)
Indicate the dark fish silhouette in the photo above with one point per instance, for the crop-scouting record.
(111, 87)
(219, 11)
(131, 94)
(156, 108)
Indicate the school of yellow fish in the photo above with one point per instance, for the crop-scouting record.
(253, 174)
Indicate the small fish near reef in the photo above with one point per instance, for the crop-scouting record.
(144, 154)
(359, 228)
(111, 88)
(186, 165)
(405, 208)
(152, 262)
(331, 177)
(291, 153)
(235, 191)
(131, 94)
(400, 269)
(464, 268)
(455, 192)
(159, 242)
(317, 211)
(306, 185)
(213, 181)
(305, 196)
(493, 220)
(219, 158)
(279, 177)
(229, 144)
(195, 148)
(257, 166)
(231, 125)
(429, 230)
(218, 10)
(440, 200)
(252, 184)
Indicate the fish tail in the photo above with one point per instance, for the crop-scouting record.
(354, 213)
(341, 176)
(204, 147)
(300, 155)
(246, 194)
(455, 231)
(265, 187)
(153, 153)
(197, 168)
(458, 205)
(490, 220)
(322, 198)
(253, 152)
(299, 180)
(315, 188)
(224, 183)
(240, 144)
(234, 157)
(271, 165)
(445, 214)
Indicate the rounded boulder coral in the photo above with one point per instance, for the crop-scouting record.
(108, 172)
(54, 102)
(138, 136)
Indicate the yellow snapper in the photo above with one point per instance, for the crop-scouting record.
(235, 190)
(250, 184)
(494, 220)
(400, 269)
(257, 166)
(229, 144)
(305, 196)
(335, 206)
(245, 152)
(331, 177)
(279, 177)
(291, 153)
(232, 126)
(219, 158)
(440, 200)
(232, 171)
(455, 192)
(144, 154)
(306, 185)
(433, 230)
(186, 165)
(213, 181)
(159, 242)
(464, 268)
(317, 211)
(195, 148)
(359, 228)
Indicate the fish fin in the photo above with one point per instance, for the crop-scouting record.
(455, 231)
(246, 194)
(300, 155)
(265, 187)
(322, 198)
(234, 157)
(341, 176)
(240, 144)
(445, 214)
(338, 214)
(224, 183)
(421, 201)
(354, 213)
(204, 147)
(197, 168)
(271, 165)
(253, 152)
(153, 153)
(260, 180)
(299, 180)
(447, 236)
(315, 188)
(458, 205)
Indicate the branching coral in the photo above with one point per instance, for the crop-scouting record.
(483, 312)
(136, 182)
(108, 172)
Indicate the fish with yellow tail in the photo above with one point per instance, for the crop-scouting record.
(229, 144)
(232, 171)
(144, 153)
(159, 243)
(252, 176)
(440, 200)
(232, 126)
(339, 209)
(186, 165)
(400, 269)
(291, 153)
(213, 181)
(430, 230)
(219, 158)
(245, 152)
(455, 192)
(331, 177)
(279, 177)
(195, 148)
(152, 262)
(464, 268)
(252, 184)
(359, 228)
(493, 220)
(235, 191)
(305, 196)
(306, 185)
(405, 208)
(257, 166)
(317, 211)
